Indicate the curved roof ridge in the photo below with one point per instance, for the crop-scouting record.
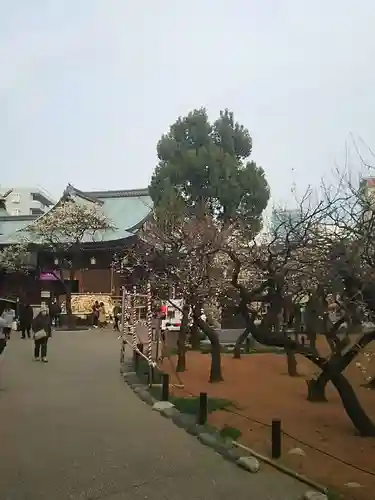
(71, 190)
(118, 193)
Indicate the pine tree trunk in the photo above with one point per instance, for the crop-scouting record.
(215, 372)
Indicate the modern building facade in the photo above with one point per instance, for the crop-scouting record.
(26, 201)
(367, 186)
(283, 221)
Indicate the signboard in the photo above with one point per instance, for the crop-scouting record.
(48, 276)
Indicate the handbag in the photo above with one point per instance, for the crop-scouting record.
(41, 334)
(15, 325)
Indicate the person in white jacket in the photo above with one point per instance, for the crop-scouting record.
(8, 316)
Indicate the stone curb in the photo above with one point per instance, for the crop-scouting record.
(188, 422)
(203, 433)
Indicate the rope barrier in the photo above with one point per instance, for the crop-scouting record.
(129, 305)
(134, 317)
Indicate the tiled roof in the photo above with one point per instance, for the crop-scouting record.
(126, 209)
(11, 224)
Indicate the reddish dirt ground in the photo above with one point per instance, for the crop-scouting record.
(261, 390)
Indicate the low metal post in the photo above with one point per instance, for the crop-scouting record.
(136, 356)
(151, 376)
(202, 412)
(135, 360)
(165, 387)
(276, 438)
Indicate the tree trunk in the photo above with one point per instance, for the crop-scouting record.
(352, 406)
(316, 389)
(292, 363)
(181, 343)
(312, 339)
(68, 294)
(332, 370)
(337, 363)
(240, 340)
(68, 290)
(194, 337)
(215, 372)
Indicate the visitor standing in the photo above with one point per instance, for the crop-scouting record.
(8, 316)
(26, 319)
(41, 326)
(116, 317)
(95, 314)
(102, 315)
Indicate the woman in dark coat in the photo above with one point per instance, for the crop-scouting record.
(42, 331)
(3, 339)
(26, 319)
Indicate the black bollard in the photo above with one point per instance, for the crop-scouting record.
(151, 376)
(202, 414)
(165, 387)
(136, 356)
(276, 438)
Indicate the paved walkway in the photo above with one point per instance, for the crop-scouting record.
(72, 429)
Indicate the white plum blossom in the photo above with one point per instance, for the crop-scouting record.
(14, 257)
(69, 223)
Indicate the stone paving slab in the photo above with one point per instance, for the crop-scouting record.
(73, 430)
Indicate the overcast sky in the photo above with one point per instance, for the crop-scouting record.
(87, 87)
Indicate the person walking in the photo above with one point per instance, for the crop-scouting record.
(8, 316)
(56, 313)
(26, 319)
(42, 331)
(116, 317)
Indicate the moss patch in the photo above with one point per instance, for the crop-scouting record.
(190, 405)
(230, 432)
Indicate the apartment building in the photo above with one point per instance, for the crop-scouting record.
(26, 200)
(283, 221)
